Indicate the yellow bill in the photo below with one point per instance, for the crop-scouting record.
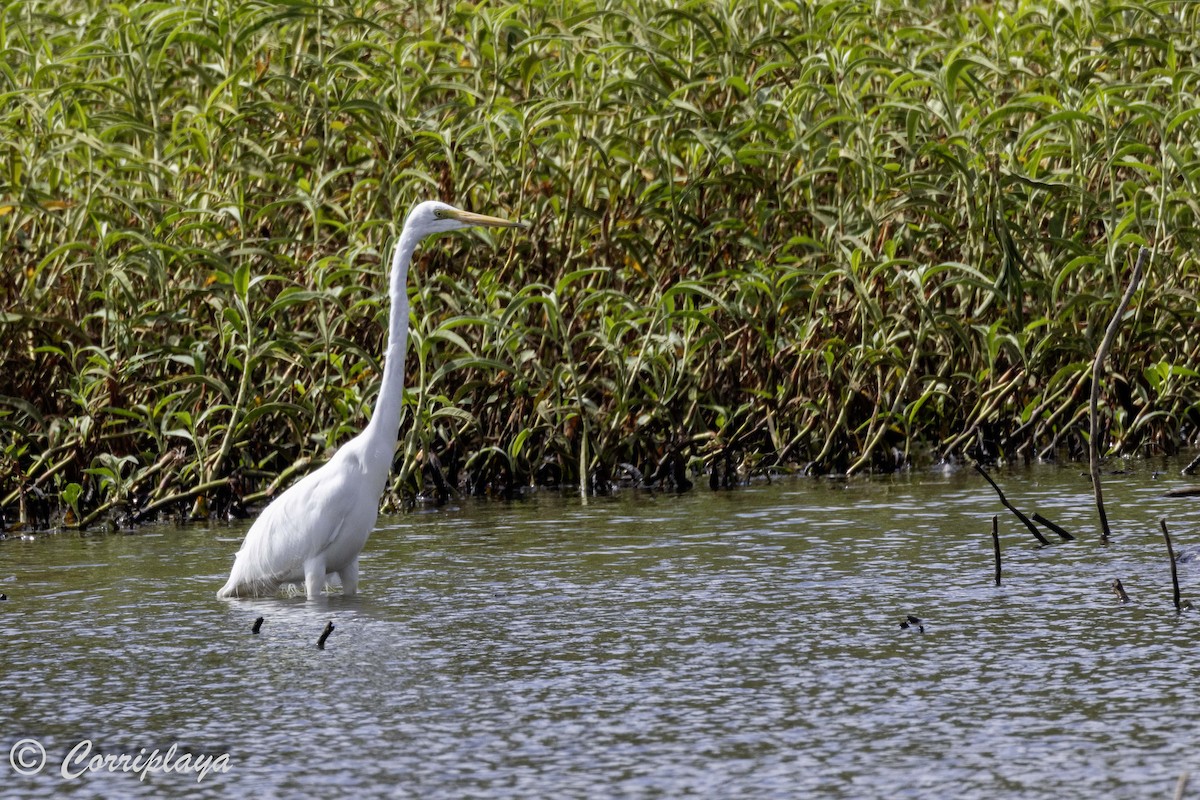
(469, 218)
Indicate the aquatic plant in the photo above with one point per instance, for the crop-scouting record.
(833, 236)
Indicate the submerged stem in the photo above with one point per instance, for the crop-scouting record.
(1097, 365)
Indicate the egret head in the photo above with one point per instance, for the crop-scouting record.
(435, 217)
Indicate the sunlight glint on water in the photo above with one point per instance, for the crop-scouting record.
(741, 643)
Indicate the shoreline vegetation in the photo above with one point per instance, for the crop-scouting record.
(823, 237)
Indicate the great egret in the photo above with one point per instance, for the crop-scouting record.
(318, 527)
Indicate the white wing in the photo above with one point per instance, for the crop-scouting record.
(306, 520)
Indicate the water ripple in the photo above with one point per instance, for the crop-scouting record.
(741, 643)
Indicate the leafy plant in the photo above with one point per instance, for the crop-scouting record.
(832, 236)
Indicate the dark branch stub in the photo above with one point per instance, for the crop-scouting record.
(324, 635)
(1004, 501)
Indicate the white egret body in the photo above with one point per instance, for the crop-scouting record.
(317, 528)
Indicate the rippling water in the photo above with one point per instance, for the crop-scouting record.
(733, 644)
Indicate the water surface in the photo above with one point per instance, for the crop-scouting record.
(732, 644)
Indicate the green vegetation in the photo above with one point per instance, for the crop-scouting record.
(768, 235)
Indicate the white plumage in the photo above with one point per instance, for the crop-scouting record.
(316, 529)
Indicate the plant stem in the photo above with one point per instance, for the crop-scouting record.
(1097, 366)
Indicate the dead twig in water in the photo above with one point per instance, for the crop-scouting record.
(324, 635)
(1097, 365)
(1004, 502)
(1119, 590)
(1181, 784)
(1063, 534)
(996, 543)
(1179, 606)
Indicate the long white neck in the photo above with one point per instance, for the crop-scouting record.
(382, 430)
